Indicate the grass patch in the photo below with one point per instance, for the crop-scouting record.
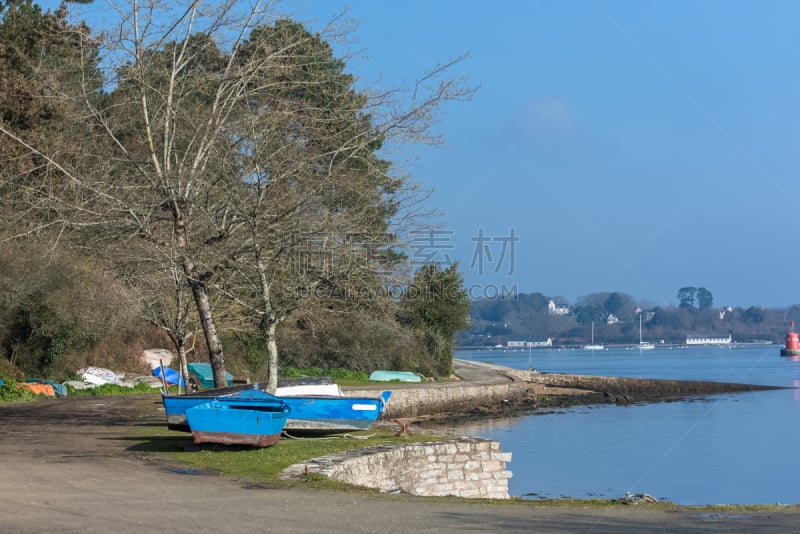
(264, 465)
(115, 389)
(10, 392)
(347, 377)
(343, 377)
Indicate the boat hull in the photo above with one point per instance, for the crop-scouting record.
(176, 406)
(333, 414)
(232, 423)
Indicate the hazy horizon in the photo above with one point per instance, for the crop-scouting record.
(631, 146)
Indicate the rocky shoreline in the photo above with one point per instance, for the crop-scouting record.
(626, 390)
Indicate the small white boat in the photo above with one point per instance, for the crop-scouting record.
(644, 345)
(593, 345)
(300, 390)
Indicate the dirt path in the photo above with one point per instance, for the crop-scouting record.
(70, 466)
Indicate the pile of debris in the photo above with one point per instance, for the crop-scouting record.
(97, 376)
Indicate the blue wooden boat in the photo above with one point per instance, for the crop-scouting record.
(318, 413)
(230, 421)
(332, 413)
(176, 405)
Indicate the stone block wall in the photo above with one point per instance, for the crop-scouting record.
(440, 398)
(466, 467)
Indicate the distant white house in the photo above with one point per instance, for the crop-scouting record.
(612, 319)
(537, 343)
(555, 309)
(705, 339)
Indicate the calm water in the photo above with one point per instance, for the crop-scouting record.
(740, 448)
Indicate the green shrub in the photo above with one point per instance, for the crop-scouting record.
(342, 375)
(9, 392)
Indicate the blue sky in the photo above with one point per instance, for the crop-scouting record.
(634, 146)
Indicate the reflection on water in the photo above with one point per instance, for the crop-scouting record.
(716, 449)
(475, 426)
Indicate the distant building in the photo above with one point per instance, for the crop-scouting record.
(612, 319)
(555, 309)
(705, 339)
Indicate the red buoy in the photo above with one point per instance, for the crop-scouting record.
(792, 346)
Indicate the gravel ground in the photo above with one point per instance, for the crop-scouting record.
(71, 465)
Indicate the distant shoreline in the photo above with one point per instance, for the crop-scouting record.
(617, 346)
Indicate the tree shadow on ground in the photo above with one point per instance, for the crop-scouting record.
(154, 443)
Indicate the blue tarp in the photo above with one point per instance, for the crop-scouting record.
(60, 389)
(172, 376)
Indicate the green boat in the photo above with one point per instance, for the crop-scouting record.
(204, 375)
(399, 376)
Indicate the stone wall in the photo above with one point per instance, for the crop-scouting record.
(466, 467)
(429, 399)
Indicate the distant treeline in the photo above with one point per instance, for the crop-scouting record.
(616, 317)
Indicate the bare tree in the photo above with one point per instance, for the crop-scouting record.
(167, 304)
(318, 205)
(151, 164)
(235, 148)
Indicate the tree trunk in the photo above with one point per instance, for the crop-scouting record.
(215, 354)
(268, 328)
